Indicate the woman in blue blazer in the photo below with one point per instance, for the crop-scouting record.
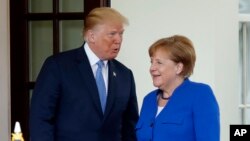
(179, 110)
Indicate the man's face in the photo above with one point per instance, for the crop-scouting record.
(105, 40)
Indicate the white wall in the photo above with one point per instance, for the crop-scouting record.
(212, 25)
(4, 72)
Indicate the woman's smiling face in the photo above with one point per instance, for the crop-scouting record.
(163, 70)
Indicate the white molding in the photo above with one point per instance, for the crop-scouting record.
(244, 17)
(242, 106)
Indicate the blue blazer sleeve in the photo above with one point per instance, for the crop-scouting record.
(206, 115)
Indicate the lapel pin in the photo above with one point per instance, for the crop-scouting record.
(114, 74)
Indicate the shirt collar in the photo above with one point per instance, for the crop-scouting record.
(93, 59)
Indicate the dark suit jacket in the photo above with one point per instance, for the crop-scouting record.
(65, 104)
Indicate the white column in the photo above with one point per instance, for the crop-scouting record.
(4, 72)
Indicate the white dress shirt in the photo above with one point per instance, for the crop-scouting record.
(93, 59)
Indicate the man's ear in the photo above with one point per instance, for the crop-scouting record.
(90, 36)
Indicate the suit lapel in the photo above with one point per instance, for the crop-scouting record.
(111, 87)
(88, 78)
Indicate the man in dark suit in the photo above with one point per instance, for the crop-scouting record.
(66, 105)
